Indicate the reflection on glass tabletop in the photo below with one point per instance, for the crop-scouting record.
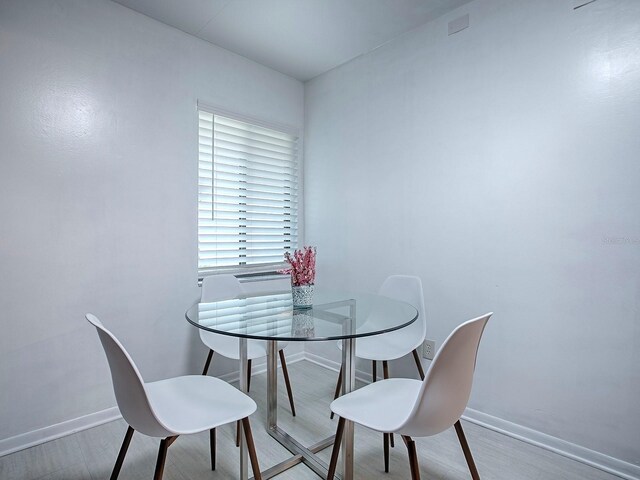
(334, 315)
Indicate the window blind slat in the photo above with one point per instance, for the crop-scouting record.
(204, 216)
(246, 148)
(259, 137)
(249, 127)
(257, 224)
(253, 142)
(227, 200)
(285, 192)
(246, 208)
(243, 189)
(232, 165)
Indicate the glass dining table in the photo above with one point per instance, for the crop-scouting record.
(271, 317)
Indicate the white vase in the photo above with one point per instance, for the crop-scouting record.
(302, 296)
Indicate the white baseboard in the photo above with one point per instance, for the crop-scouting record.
(598, 460)
(52, 432)
(581, 454)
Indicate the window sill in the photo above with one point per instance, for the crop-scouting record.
(248, 277)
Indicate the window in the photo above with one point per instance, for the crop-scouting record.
(247, 194)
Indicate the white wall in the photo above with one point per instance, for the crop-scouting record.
(498, 164)
(98, 182)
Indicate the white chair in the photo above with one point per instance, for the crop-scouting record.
(396, 344)
(223, 287)
(414, 408)
(172, 407)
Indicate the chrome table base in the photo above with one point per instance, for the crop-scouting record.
(302, 454)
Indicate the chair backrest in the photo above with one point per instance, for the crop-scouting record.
(128, 385)
(447, 386)
(220, 287)
(408, 288)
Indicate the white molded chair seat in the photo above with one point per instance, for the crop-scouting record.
(418, 408)
(398, 343)
(194, 403)
(382, 406)
(172, 407)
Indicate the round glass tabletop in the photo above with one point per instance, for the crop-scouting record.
(333, 316)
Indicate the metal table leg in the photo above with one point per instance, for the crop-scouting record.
(348, 385)
(302, 454)
(272, 384)
(244, 469)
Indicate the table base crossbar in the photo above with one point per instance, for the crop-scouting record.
(301, 454)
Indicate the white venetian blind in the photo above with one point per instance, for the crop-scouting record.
(247, 194)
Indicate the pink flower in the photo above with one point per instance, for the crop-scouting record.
(302, 266)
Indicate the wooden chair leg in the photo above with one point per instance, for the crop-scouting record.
(238, 423)
(385, 375)
(208, 362)
(287, 382)
(385, 442)
(467, 451)
(255, 467)
(338, 387)
(336, 449)
(212, 446)
(413, 457)
(416, 357)
(162, 455)
(374, 370)
(121, 455)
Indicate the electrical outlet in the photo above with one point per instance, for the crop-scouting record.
(428, 349)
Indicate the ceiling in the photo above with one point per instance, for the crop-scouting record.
(300, 38)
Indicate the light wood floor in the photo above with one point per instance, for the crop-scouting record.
(90, 454)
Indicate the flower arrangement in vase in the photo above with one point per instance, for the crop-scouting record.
(302, 267)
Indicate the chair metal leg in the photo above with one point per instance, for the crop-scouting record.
(374, 370)
(413, 457)
(385, 441)
(248, 376)
(212, 446)
(208, 362)
(338, 387)
(238, 433)
(121, 455)
(385, 374)
(467, 451)
(416, 357)
(336, 449)
(255, 467)
(162, 455)
(287, 382)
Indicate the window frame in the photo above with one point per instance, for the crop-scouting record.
(253, 271)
